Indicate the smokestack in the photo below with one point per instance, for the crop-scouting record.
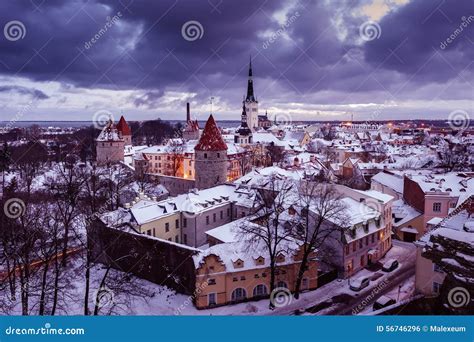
(188, 112)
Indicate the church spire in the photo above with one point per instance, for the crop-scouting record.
(250, 95)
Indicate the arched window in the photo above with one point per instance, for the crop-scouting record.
(282, 284)
(239, 294)
(259, 290)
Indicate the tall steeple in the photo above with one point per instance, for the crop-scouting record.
(250, 95)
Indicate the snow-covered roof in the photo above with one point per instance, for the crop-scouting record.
(266, 138)
(403, 212)
(228, 253)
(195, 202)
(227, 232)
(379, 196)
(392, 181)
(457, 184)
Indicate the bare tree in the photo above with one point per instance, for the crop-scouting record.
(320, 216)
(267, 228)
(66, 186)
(175, 151)
(453, 157)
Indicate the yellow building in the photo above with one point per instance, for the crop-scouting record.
(230, 272)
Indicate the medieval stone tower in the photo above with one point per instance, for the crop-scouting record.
(210, 157)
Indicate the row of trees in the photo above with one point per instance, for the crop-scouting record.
(46, 259)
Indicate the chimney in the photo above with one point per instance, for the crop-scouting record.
(188, 112)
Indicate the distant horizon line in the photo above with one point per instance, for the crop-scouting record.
(384, 120)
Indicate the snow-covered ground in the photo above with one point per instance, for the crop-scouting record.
(154, 299)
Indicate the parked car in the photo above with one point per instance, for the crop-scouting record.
(390, 265)
(383, 302)
(359, 283)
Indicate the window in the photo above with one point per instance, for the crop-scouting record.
(239, 294)
(437, 207)
(211, 299)
(222, 214)
(176, 238)
(207, 219)
(373, 238)
(218, 155)
(360, 243)
(148, 231)
(190, 163)
(176, 223)
(354, 246)
(167, 227)
(205, 155)
(242, 278)
(362, 260)
(282, 284)
(211, 281)
(436, 287)
(305, 284)
(228, 212)
(214, 217)
(185, 222)
(185, 238)
(347, 249)
(259, 290)
(154, 234)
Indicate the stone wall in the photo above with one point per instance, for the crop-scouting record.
(153, 259)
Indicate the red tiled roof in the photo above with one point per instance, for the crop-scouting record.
(123, 127)
(211, 138)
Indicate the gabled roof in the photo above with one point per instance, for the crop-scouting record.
(123, 127)
(211, 138)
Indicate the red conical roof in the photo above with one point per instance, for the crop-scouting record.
(211, 138)
(123, 127)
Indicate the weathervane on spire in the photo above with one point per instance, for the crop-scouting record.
(210, 101)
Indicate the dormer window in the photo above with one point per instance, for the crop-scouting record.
(280, 258)
(260, 260)
(239, 263)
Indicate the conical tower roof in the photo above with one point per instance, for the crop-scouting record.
(211, 138)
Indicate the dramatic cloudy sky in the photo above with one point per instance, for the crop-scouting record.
(312, 59)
